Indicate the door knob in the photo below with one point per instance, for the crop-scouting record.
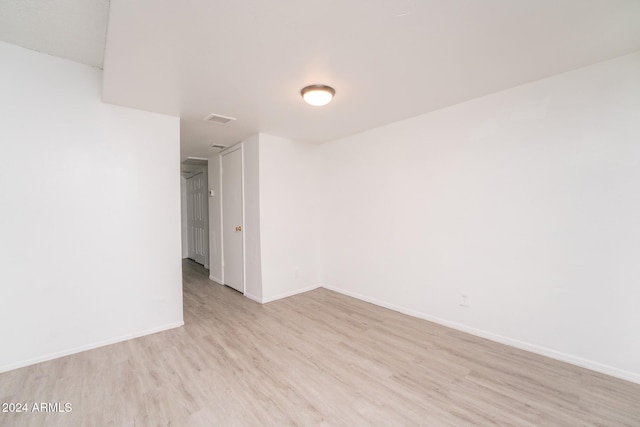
(239, 228)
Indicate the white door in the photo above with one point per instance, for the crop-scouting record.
(197, 218)
(232, 220)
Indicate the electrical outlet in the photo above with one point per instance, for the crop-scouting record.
(464, 300)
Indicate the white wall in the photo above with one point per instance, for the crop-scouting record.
(527, 201)
(280, 227)
(288, 220)
(215, 220)
(252, 213)
(89, 213)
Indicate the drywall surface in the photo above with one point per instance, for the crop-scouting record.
(215, 220)
(524, 205)
(288, 220)
(90, 246)
(252, 226)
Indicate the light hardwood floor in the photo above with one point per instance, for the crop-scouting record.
(319, 358)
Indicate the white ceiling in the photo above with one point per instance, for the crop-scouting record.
(387, 59)
(71, 29)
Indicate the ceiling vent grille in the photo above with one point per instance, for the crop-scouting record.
(217, 118)
(221, 147)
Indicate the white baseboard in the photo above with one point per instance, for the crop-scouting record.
(284, 294)
(82, 348)
(553, 354)
(275, 297)
(216, 279)
(254, 298)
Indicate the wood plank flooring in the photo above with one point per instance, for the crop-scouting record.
(319, 358)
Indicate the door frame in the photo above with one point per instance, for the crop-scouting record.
(244, 248)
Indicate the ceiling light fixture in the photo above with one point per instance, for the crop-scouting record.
(317, 95)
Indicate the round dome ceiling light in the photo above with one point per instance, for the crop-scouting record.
(317, 95)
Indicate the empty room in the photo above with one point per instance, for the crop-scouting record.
(336, 213)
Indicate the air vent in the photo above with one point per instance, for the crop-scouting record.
(217, 118)
(220, 147)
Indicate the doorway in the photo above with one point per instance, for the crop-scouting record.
(196, 227)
